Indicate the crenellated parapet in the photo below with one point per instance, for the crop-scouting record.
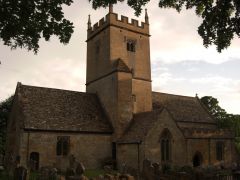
(207, 133)
(112, 19)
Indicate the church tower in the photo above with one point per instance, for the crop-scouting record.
(118, 67)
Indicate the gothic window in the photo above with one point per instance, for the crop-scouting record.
(165, 143)
(219, 150)
(131, 46)
(63, 145)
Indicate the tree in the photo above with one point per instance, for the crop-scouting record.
(225, 120)
(23, 23)
(5, 108)
(221, 18)
(212, 104)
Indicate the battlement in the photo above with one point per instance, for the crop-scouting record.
(112, 19)
(207, 133)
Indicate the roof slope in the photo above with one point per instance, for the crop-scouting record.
(182, 108)
(119, 65)
(140, 125)
(55, 109)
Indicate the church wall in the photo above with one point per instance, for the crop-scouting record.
(201, 146)
(98, 63)
(115, 94)
(229, 152)
(13, 134)
(124, 101)
(129, 155)
(106, 89)
(198, 125)
(143, 96)
(152, 147)
(90, 149)
(207, 147)
(139, 60)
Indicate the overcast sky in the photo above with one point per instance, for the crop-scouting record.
(180, 63)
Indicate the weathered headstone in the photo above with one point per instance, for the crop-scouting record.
(20, 173)
(109, 177)
(80, 169)
(126, 177)
(76, 170)
(148, 170)
(47, 173)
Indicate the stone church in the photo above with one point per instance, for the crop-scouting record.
(118, 117)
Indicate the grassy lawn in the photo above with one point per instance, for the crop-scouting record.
(4, 175)
(91, 173)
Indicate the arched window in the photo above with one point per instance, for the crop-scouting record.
(34, 161)
(165, 142)
(63, 144)
(197, 159)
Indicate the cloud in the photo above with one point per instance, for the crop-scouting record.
(221, 81)
(180, 64)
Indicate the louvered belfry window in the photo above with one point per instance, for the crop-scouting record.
(63, 145)
(131, 46)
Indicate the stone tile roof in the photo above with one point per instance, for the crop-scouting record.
(55, 109)
(182, 108)
(119, 65)
(140, 125)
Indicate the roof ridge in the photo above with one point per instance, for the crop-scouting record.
(173, 94)
(41, 87)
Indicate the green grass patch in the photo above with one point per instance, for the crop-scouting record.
(91, 173)
(4, 175)
(33, 175)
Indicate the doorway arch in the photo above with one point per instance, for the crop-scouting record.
(34, 161)
(197, 159)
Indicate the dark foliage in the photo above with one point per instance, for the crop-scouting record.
(224, 119)
(23, 23)
(5, 108)
(212, 104)
(221, 18)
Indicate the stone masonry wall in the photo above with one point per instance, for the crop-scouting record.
(152, 147)
(207, 147)
(90, 149)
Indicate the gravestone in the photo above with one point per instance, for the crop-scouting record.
(47, 173)
(20, 173)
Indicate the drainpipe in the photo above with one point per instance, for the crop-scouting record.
(209, 151)
(138, 145)
(27, 162)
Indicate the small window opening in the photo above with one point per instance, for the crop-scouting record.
(63, 145)
(131, 46)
